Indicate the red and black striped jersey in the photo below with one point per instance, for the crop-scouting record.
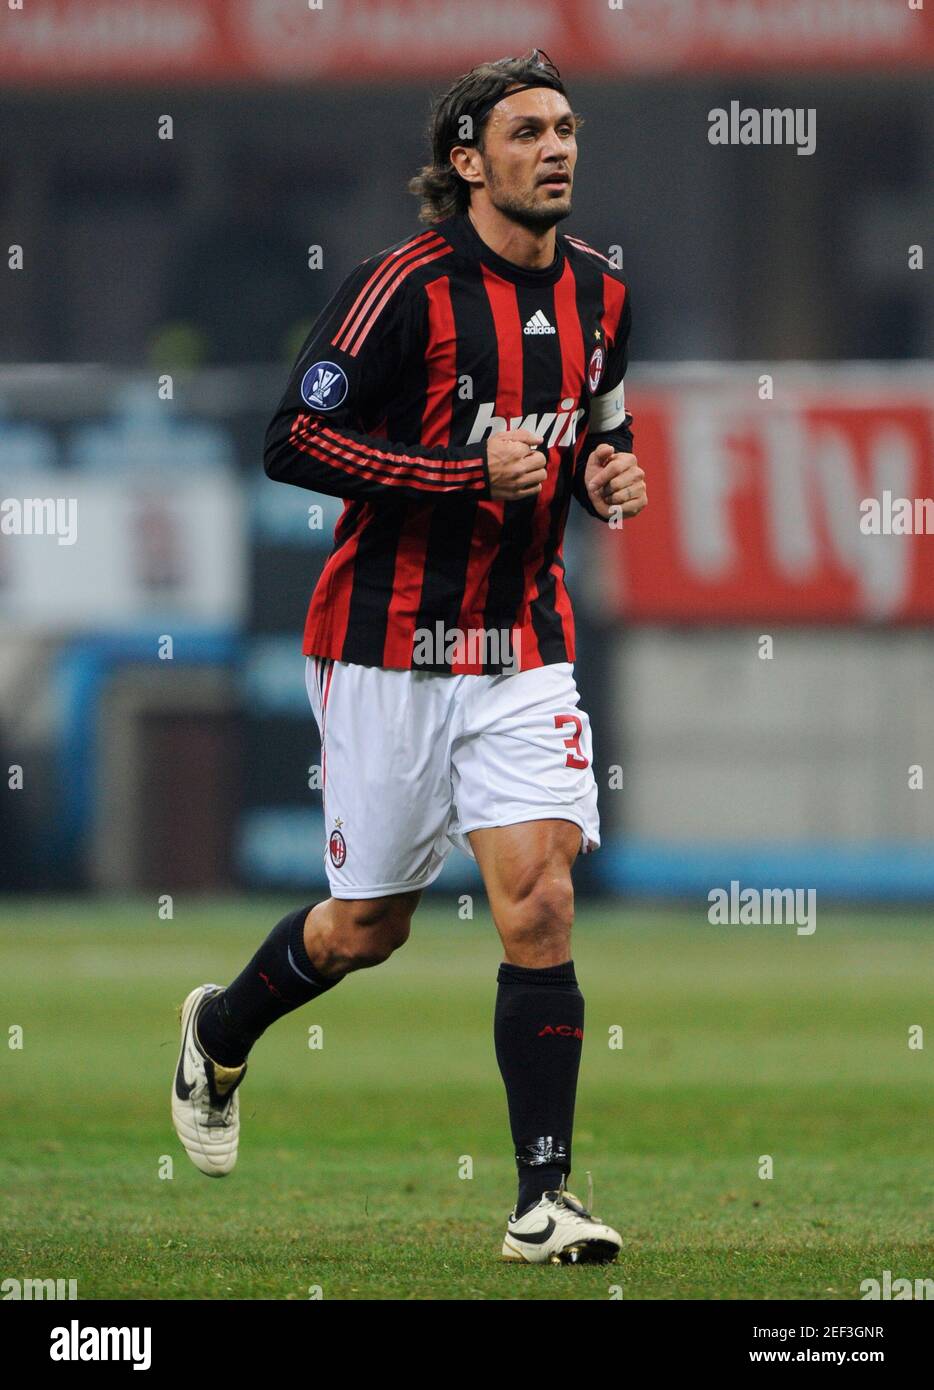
(427, 349)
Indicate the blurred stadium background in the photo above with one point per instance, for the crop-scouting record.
(165, 287)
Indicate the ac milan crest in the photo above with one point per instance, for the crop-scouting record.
(595, 369)
(337, 848)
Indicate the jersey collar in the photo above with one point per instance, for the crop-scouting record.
(463, 235)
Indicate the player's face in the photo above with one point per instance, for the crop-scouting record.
(529, 154)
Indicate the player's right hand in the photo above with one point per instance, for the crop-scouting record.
(517, 469)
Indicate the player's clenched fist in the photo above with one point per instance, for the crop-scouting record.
(516, 467)
(615, 480)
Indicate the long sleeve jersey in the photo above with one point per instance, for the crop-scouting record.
(427, 349)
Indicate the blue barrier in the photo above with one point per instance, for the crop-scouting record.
(896, 871)
(82, 668)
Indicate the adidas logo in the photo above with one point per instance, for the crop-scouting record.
(538, 324)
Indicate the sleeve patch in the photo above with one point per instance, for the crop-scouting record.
(324, 386)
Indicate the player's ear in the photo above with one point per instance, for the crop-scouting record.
(466, 161)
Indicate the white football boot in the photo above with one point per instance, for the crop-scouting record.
(205, 1103)
(559, 1230)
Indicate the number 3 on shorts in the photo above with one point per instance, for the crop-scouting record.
(575, 757)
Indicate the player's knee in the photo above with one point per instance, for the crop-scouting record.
(550, 898)
(542, 911)
(364, 952)
(371, 929)
(391, 916)
(374, 944)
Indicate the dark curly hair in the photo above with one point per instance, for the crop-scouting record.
(442, 190)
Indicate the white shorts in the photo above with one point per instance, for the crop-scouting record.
(413, 760)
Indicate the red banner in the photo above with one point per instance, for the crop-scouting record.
(225, 40)
(817, 506)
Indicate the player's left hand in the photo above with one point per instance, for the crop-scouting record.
(615, 480)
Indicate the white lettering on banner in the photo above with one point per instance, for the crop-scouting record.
(706, 477)
(882, 565)
(652, 34)
(427, 24)
(860, 23)
(427, 28)
(207, 38)
(789, 497)
(806, 485)
(109, 30)
(647, 33)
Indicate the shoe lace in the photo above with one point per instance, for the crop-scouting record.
(215, 1116)
(585, 1213)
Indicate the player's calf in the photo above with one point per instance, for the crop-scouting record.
(280, 978)
(307, 953)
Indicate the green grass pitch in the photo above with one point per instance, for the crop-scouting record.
(738, 1042)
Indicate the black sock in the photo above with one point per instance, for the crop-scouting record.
(279, 979)
(538, 1031)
